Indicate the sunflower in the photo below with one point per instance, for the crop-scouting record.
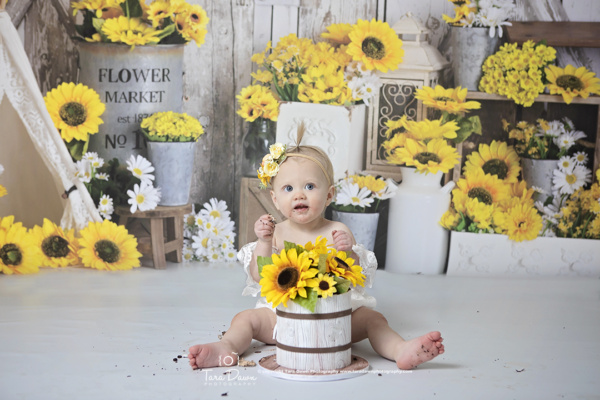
(59, 248)
(315, 249)
(451, 100)
(376, 45)
(522, 222)
(324, 285)
(571, 82)
(18, 252)
(432, 157)
(497, 159)
(158, 11)
(430, 129)
(131, 31)
(286, 277)
(75, 110)
(338, 33)
(108, 246)
(487, 189)
(3, 191)
(343, 266)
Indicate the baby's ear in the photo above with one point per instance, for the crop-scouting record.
(330, 194)
(274, 199)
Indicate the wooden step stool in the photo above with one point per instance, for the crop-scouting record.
(156, 246)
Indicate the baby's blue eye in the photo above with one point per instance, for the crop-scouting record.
(309, 186)
(288, 188)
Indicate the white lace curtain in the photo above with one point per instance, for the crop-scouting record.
(19, 86)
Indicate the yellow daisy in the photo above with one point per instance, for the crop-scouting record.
(75, 110)
(376, 45)
(451, 100)
(286, 277)
(18, 252)
(131, 31)
(3, 191)
(571, 82)
(59, 248)
(522, 222)
(158, 11)
(495, 159)
(487, 189)
(432, 157)
(338, 33)
(324, 285)
(108, 246)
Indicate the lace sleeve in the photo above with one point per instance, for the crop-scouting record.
(245, 256)
(368, 262)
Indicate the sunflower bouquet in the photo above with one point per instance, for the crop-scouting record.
(100, 245)
(341, 71)
(482, 13)
(362, 193)
(517, 73)
(133, 22)
(303, 274)
(491, 199)
(545, 140)
(428, 145)
(169, 126)
(75, 111)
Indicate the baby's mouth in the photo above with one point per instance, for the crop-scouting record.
(301, 207)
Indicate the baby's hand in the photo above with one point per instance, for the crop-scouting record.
(264, 228)
(342, 241)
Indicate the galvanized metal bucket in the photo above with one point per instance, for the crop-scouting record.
(133, 84)
(470, 48)
(173, 168)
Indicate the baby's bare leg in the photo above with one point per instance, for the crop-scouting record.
(249, 324)
(368, 323)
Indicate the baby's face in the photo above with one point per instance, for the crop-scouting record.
(301, 191)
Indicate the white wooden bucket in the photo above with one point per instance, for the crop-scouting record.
(318, 341)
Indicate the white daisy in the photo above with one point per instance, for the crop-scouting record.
(555, 129)
(550, 212)
(199, 221)
(351, 194)
(566, 162)
(84, 170)
(143, 197)
(230, 254)
(105, 205)
(581, 157)
(102, 176)
(215, 254)
(215, 208)
(95, 161)
(538, 189)
(202, 243)
(568, 139)
(141, 168)
(188, 253)
(567, 182)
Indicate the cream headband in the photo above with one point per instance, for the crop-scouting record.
(269, 166)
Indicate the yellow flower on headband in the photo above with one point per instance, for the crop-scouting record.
(269, 166)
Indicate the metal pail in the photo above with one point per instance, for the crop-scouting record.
(132, 83)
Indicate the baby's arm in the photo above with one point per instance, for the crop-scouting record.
(263, 228)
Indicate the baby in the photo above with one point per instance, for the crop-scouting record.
(301, 189)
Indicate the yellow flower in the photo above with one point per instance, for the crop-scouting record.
(277, 150)
(58, 248)
(286, 277)
(324, 285)
(451, 100)
(158, 11)
(376, 45)
(131, 31)
(495, 159)
(430, 129)
(3, 191)
(108, 246)
(450, 219)
(75, 110)
(521, 222)
(343, 266)
(338, 33)
(487, 189)
(18, 252)
(432, 157)
(571, 82)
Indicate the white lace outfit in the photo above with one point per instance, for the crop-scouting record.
(366, 259)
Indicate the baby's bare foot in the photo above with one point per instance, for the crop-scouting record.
(419, 350)
(215, 354)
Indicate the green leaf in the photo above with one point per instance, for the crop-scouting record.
(310, 302)
(132, 8)
(86, 29)
(467, 126)
(290, 245)
(462, 224)
(169, 29)
(342, 285)
(261, 262)
(98, 22)
(77, 148)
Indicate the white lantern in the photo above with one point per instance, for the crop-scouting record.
(422, 66)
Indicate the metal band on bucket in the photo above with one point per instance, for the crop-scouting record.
(313, 350)
(332, 315)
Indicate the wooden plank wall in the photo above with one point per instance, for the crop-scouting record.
(216, 72)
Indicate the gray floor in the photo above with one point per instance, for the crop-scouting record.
(83, 334)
